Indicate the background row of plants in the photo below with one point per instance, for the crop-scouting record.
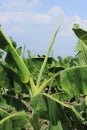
(41, 93)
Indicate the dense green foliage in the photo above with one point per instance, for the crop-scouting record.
(41, 93)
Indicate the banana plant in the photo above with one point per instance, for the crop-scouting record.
(23, 71)
(64, 109)
(25, 74)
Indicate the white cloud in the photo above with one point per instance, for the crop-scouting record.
(12, 5)
(54, 11)
(41, 19)
(50, 17)
(24, 17)
(20, 17)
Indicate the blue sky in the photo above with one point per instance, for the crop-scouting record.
(33, 22)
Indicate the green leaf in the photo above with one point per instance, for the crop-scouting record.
(7, 125)
(1, 54)
(15, 121)
(17, 87)
(81, 48)
(86, 100)
(80, 33)
(73, 80)
(3, 113)
(39, 105)
(3, 103)
(53, 112)
(19, 121)
(14, 103)
(7, 46)
(56, 127)
(4, 81)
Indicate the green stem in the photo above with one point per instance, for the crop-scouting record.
(56, 100)
(12, 115)
(48, 52)
(33, 87)
(44, 84)
(77, 114)
(67, 106)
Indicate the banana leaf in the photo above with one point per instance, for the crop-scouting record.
(74, 80)
(6, 45)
